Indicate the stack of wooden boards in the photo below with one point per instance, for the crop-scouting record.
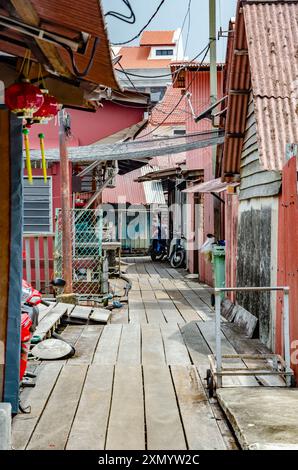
(50, 318)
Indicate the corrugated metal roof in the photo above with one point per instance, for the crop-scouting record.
(269, 32)
(237, 77)
(129, 191)
(272, 36)
(126, 190)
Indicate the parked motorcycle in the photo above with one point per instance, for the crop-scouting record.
(158, 249)
(177, 252)
(159, 245)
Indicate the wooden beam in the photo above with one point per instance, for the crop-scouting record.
(65, 206)
(28, 14)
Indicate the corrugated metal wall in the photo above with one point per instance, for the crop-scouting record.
(201, 159)
(287, 273)
(255, 181)
(231, 227)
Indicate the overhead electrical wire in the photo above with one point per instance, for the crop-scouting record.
(144, 27)
(182, 67)
(187, 15)
(127, 19)
(179, 101)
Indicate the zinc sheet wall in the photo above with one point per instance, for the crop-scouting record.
(287, 273)
(201, 159)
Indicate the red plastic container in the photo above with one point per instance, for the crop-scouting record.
(26, 324)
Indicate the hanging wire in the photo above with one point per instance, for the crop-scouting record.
(24, 64)
(165, 74)
(144, 27)
(207, 48)
(127, 19)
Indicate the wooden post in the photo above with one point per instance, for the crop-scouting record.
(11, 224)
(65, 207)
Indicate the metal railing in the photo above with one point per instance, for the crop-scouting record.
(286, 326)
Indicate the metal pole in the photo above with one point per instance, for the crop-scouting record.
(213, 64)
(218, 337)
(65, 207)
(286, 325)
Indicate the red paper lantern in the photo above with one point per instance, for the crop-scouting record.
(48, 110)
(24, 99)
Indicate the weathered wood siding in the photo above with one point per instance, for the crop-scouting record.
(253, 261)
(255, 181)
(257, 231)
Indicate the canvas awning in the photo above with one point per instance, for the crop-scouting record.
(212, 186)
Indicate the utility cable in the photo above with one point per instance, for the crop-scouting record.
(179, 101)
(182, 67)
(127, 19)
(144, 27)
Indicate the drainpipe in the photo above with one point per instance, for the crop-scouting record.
(65, 207)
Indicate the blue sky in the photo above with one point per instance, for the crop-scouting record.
(171, 16)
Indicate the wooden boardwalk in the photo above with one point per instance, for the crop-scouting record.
(136, 383)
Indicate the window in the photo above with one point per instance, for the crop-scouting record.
(179, 131)
(38, 206)
(164, 51)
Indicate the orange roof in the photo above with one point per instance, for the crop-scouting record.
(166, 105)
(157, 38)
(137, 58)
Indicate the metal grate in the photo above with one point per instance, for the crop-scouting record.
(86, 235)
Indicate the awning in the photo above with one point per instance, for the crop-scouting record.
(212, 186)
(164, 173)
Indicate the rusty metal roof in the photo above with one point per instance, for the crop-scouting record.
(262, 55)
(272, 37)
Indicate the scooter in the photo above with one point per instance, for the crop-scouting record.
(158, 249)
(159, 245)
(177, 252)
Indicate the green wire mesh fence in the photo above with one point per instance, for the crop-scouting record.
(86, 236)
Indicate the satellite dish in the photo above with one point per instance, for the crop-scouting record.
(51, 349)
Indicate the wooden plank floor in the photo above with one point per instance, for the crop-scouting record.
(136, 383)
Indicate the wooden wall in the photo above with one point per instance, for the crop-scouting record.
(257, 231)
(254, 253)
(255, 181)
(4, 237)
